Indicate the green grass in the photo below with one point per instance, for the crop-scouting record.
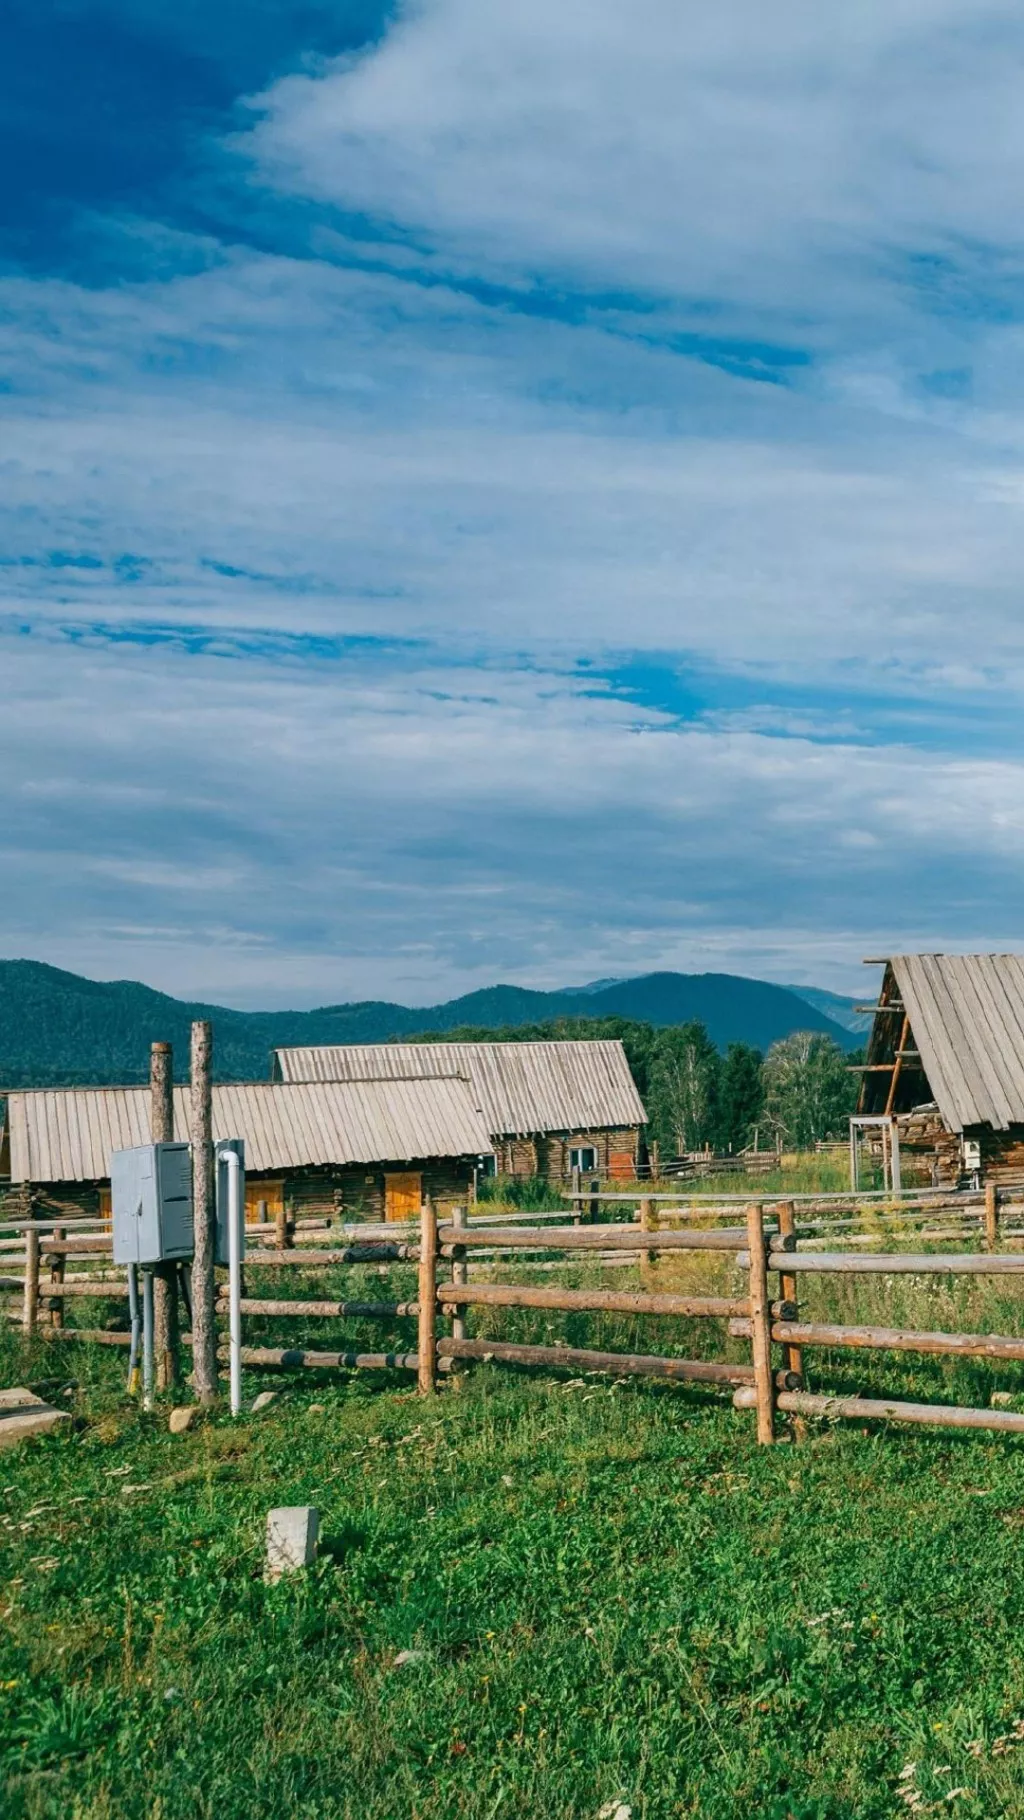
(614, 1594)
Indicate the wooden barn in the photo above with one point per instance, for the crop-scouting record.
(551, 1108)
(945, 1063)
(364, 1149)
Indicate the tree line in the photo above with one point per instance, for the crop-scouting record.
(698, 1098)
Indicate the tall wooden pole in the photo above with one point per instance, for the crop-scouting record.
(204, 1336)
(427, 1339)
(760, 1325)
(166, 1337)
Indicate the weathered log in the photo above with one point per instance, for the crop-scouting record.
(621, 1364)
(932, 1415)
(326, 1361)
(595, 1238)
(760, 1341)
(886, 1263)
(889, 1339)
(610, 1301)
(323, 1310)
(83, 1247)
(427, 1315)
(100, 1291)
(312, 1260)
(787, 1283)
(30, 1307)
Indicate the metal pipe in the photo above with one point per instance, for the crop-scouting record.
(231, 1161)
(147, 1339)
(133, 1309)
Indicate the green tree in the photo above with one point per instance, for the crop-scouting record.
(742, 1096)
(685, 1081)
(809, 1093)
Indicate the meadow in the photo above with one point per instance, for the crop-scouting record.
(537, 1595)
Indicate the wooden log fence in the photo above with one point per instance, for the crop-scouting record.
(769, 1321)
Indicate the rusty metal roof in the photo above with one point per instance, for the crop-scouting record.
(521, 1088)
(68, 1134)
(966, 1013)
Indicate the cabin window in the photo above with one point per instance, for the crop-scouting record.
(582, 1157)
(488, 1165)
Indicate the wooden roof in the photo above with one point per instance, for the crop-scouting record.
(966, 1014)
(521, 1088)
(68, 1134)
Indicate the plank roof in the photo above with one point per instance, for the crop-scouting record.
(966, 1013)
(521, 1088)
(68, 1134)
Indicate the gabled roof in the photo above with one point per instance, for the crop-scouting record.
(966, 1013)
(67, 1135)
(521, 1088)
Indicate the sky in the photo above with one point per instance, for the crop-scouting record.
(527, 493)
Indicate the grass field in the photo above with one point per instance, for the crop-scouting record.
(613, 1598)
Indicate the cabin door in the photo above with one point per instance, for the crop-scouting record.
(403, 1196)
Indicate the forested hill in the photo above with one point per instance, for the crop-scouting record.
(58, 1028)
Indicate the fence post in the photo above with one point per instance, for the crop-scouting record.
(459, 1275)
(427, 1337)
(787, 1284)
(166, 1336)
(649, 1223)
(991, 1216)
(30, 1307)
(760, 1328)
(282, 1236)
(204, 1335)
(58, 1266)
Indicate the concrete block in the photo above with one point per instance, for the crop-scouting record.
(22, 1414)
(292, 1533)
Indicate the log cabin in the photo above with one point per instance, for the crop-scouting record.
(551, 1108)
(368, 1149)
(945, 1061)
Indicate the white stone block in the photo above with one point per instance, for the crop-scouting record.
(292, 1534)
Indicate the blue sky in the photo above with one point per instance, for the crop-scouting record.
(528, 493)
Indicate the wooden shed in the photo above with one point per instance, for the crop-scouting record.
(367, 1149)
(945, 1061)
(550, 1108)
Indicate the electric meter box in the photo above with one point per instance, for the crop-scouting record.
(221, 1178)
(151, 1204)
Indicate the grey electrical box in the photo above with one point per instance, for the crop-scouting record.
(221, 1177)
(151, 1203)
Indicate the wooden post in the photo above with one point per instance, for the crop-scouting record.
(261, 1212)
(991, 1216)
(577, 1204)
(787, 1283)
(58, 1265)
(649, 1223)
(427, 1346)
(460, 1274)
(282, 1236)
(595, 1189)
(166, 1336)
(204, 1337)
(30, 1306)
(760, 1319)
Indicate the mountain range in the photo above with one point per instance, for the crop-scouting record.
(57, 1028)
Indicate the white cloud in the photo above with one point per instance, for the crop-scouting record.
(739, 153)
(276, 451)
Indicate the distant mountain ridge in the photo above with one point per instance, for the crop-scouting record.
(57, 1028)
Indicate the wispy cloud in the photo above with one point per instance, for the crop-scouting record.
(539, 495)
